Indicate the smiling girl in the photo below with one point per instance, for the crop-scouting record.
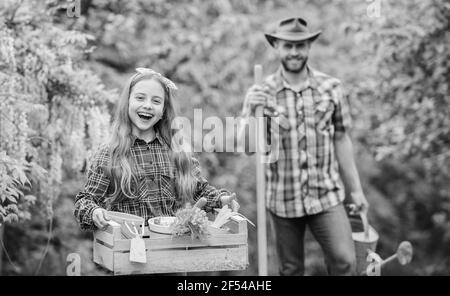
(140, 171)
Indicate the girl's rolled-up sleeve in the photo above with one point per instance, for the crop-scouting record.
(204, 189)
(93, 194)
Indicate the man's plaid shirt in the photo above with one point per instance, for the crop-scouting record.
(305, 178)
(155, 194)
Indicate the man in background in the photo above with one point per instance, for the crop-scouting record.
(315, 154)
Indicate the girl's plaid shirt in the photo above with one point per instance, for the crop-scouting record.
(155, 194)
(305, 180)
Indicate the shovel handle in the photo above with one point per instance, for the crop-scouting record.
(258, 74)
(258, 77)
(260, 183)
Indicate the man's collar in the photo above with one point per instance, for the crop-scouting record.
(281, 82)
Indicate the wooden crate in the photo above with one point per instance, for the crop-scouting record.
(168, 254)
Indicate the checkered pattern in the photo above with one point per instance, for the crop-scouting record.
(305, 179)
(155, 193)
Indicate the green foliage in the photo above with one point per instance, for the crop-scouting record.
(411, 65)
(52, 110)
(191, 220)
(409, 119)
(48, 99)
(12, 179)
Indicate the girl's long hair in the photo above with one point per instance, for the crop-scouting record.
(123, 170)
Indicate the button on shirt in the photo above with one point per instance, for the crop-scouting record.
(304, 180)
(155, 191)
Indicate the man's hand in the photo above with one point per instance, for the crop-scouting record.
(256, 96)
(231, 202)
(360, 201)
(100, 218)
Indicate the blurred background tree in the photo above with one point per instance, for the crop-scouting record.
(53, 114)
(410, 121)
(393, 63)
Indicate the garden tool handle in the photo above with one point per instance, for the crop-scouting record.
(258, 79)
(260, 183)
(354, 210)
(365, 223)
(135, 231)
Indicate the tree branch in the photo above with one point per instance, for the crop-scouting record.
(13, 14)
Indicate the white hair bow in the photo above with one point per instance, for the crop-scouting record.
(146, 71)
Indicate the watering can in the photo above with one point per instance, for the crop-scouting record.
(365, 238)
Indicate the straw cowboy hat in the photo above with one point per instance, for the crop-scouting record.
(292, 29)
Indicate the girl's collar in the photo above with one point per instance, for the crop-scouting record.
(158, 137)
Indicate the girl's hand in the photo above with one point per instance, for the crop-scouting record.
(201, 202)
(100, 218)
(231, 202)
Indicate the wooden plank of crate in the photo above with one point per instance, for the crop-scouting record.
(108, 235)
(104, 237)
(103, 256)
(167, 241)
(170, 261)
